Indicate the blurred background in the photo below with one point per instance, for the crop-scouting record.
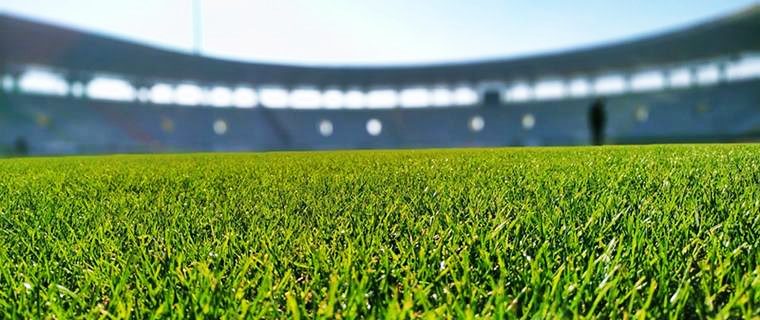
(85, 76)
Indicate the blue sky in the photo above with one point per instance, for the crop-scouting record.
(381, 32)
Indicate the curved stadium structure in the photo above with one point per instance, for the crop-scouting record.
(66, 91)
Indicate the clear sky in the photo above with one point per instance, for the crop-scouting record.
(378, 32)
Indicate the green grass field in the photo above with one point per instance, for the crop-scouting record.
(637, 232)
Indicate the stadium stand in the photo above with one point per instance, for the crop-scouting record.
(700, 83)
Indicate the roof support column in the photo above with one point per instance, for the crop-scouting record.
(143, 90)
(722, 72)
(77, 83)
(667, 75)
(10, 83)
(693, 76)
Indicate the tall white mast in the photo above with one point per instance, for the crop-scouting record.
(197, 28)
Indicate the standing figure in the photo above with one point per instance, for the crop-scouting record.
(20, 147)
(596, 120)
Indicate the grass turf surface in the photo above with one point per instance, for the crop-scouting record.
(658, 231)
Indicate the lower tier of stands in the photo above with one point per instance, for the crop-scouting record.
(66, 125)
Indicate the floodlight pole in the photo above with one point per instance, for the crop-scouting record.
(197, 28)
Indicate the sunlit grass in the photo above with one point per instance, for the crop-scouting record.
(660, 231)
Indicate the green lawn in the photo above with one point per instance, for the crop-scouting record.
(651, 231)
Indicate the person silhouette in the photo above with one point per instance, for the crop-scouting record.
(597, 119)
(20, 147)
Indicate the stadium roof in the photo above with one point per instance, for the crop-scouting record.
(24, 42)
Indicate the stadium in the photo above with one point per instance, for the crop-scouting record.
(618, 180)
(696, 84)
